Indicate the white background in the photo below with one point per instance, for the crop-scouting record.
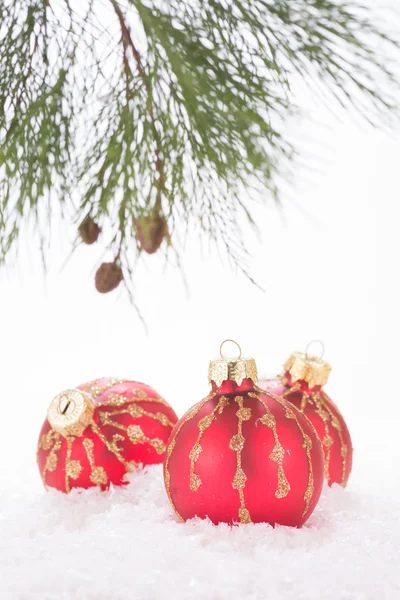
(329, 264)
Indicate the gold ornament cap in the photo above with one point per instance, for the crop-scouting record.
(232, 369)
(70, 412)
(311, 369)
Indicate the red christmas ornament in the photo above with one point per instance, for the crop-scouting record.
(301, 384)
(95, 434)
(243, 454)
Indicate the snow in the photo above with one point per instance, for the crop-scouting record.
(126, 544)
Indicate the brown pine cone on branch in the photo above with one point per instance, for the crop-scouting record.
(108, 277)
(89, 230)
(150, 232)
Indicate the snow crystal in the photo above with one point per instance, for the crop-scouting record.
(126, 544)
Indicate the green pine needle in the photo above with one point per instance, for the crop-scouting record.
(119, 110)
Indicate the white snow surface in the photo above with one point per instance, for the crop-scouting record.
(125, 543)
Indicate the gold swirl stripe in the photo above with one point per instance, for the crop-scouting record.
(73, 468)
(135, 433)
(305, 398)
(95, 390)
(52, 457)
(113, 447)
(236, 444)
(135, 412)
(322, 403)
(278, 453)
(315, 400)
(137, 436)
(98, 476)
(67, 463)
(327, 441)
(325, 415)
(46, 441)
(203, 425)
(171, 445)
(307, 445)
(335, 421)
(118, 399)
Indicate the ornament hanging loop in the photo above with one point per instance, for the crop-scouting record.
(232, 342)
(64, 404)
(322, 349)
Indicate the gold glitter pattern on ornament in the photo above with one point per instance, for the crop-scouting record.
(305, 398)
(278, 453)
(137, 436)
(273, 383)
(116, 439)
(47, 440)
(222, 402)
(203, 425)
(329, 419)
(244, 413)
(290, 413)
(135, 412)
(327, 442)
(52, 457)
(172, 443)
(113, 447)
(326, 401)
(95, 390)
(140, 396)
(135, 432)
(321, 403)
(98, 475)
(237, 444)
(316, 400)
(73, 468)
(296, 387)
(268, 420)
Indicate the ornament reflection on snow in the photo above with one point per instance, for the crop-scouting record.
(302, 385)
(95, 434)
(243, 454)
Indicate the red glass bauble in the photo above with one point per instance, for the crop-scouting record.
(243, 455)
(302, 385)
(95, 434)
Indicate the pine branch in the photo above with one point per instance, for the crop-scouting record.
(128, 42)
(163, 113)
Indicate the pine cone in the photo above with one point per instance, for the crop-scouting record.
(108, 277)
(150, 232)
(89, 231)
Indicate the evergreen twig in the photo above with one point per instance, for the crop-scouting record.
(121, 109)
